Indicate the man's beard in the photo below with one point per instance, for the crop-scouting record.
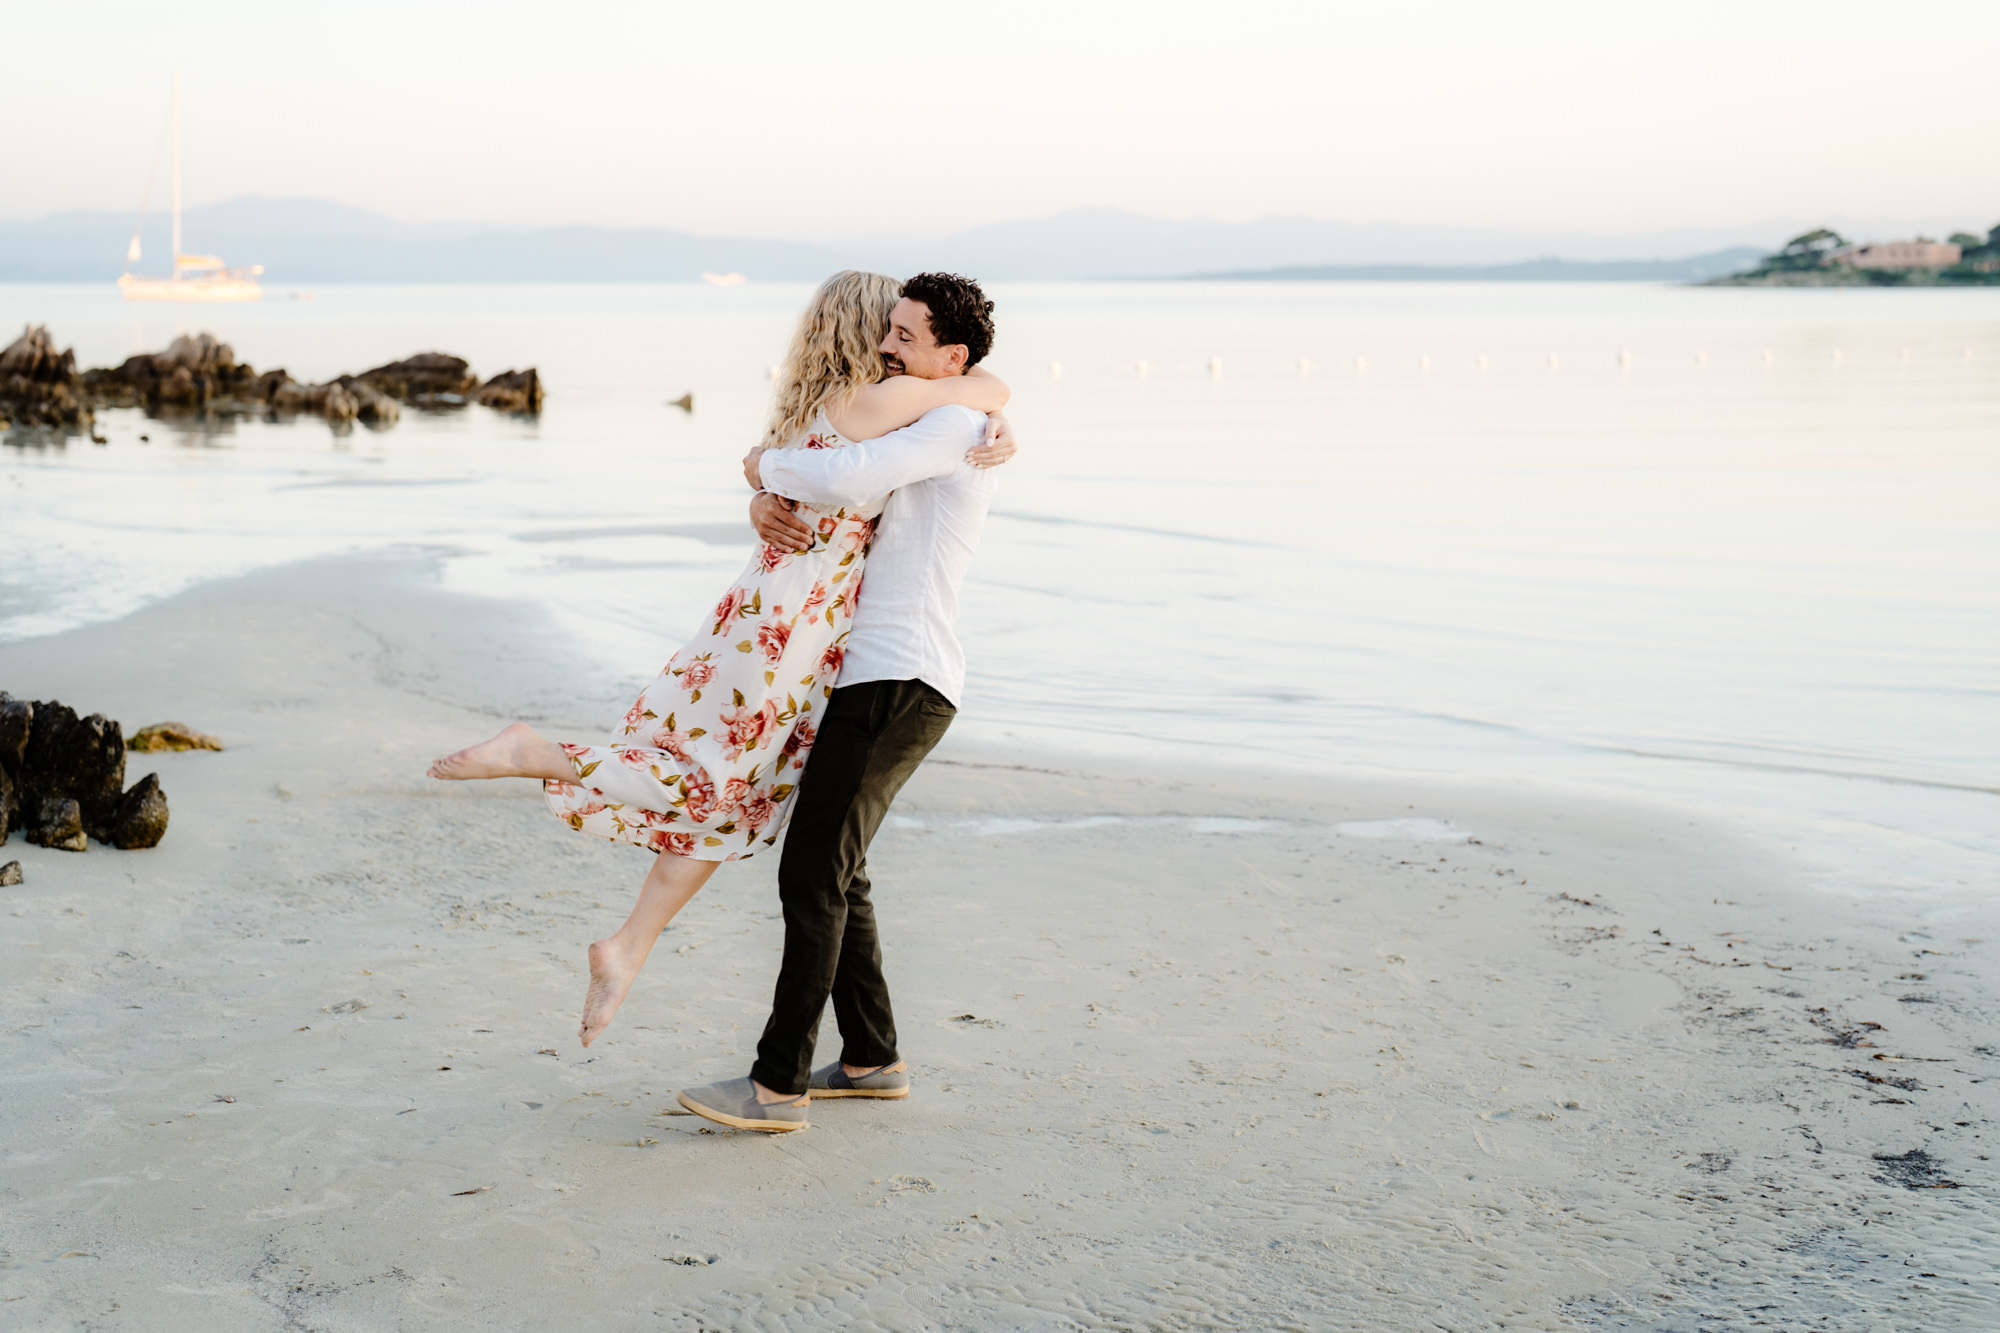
(892, 365)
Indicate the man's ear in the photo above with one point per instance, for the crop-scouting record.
(958, 354)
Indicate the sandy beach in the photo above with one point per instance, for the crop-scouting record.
(1191, 1050)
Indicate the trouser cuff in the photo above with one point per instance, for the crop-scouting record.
(787, 1082)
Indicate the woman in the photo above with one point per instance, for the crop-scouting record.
(706, 763)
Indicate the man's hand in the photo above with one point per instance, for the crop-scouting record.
(753, 468)
(998, 445)
(775, 522)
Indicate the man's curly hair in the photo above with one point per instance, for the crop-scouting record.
(960, 312)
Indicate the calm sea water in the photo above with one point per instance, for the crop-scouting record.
(1735, 551)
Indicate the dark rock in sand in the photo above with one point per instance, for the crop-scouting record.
(73, 757)
(70, 771)
(512, 391)
(40, 386)
(10, 874)
(58, 822)
(81, 759)
(170, 736)
(141, 818)
(427, 377)
(16, 715)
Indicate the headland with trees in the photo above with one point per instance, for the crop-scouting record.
(1825, 258)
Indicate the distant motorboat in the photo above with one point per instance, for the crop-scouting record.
(194, 277)
(724, 279)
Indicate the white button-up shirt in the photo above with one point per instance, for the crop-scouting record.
(903, 623)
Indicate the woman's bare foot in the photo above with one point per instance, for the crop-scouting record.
(517, 752)
(612, 971)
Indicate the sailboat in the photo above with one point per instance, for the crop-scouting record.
(194, 277)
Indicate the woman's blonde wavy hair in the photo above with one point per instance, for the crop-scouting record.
(834, 352)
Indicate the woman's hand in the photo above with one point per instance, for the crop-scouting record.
(775, 522)
(753, 468)
(998, 445)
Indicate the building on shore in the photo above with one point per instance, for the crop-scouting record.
(1899, 255)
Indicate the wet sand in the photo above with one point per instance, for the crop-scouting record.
(1189, 1051)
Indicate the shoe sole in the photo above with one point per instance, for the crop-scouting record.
(818, 1093)
(737, 1121)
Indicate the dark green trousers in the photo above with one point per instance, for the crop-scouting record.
(871, 738)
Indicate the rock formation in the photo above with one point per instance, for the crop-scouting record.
(428, 378)
(199, 373)
(15, 717)
(511, 391)
(66, 776)
(339, 400)
(10, 874)
(40, 386)
(170, 736)
(58, 823)
(196, 370)
(140, 820)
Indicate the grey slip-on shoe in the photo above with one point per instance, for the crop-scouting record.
(733, 1102)
(833, 1081)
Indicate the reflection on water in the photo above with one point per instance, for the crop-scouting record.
(1732, 550)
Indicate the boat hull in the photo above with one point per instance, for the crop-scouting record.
(199, 289)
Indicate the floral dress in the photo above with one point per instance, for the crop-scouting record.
(708, 760)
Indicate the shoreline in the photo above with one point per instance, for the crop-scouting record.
(1598, 1068)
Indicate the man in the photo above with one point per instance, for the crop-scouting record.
(899, 688)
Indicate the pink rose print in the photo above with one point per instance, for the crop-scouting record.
(700, 799)
(816, 441)
(635, 715)
(814, 599)
(674, 743)
(680, 844)
(830, 660)
(772, 635)
(726, 609)
(733, 793)
(770, 558)
(634, 758)
(802, 738)
(741, 729)
(758, 810)
(696, 675)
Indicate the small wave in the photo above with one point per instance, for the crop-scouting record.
(715, 534)
(1020, 517)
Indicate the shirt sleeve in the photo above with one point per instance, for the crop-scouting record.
(933, 446)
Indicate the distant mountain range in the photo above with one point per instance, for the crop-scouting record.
(301, 241)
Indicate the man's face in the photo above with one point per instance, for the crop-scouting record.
(909, 348)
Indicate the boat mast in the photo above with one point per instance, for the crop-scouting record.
(177, 174)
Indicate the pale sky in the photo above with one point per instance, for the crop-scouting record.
(814, 120)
